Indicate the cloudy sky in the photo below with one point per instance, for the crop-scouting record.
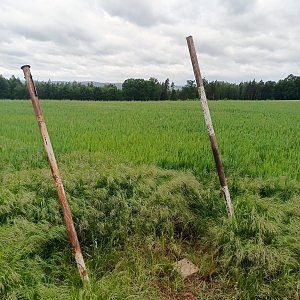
(112, 40)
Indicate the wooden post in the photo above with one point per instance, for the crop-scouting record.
(56, 176)
(209, 125)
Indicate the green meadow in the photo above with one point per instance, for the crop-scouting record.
(142, 185)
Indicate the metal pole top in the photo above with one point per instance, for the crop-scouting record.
(25, 66)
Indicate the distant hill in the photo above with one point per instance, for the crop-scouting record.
(95, 83)
(101, 84)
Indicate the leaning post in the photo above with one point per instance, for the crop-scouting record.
(209, 125)
(56, 176)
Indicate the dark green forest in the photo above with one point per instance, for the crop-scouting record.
(152, 89)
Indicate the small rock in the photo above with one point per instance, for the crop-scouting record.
(185, 267)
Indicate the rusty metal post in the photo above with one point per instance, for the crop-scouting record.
(209, 125)
(56, 176)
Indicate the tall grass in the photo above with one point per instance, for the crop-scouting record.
(143, 191)
(128, 221)
(260, 249)
(255, 138)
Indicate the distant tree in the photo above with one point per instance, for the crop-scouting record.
(268, 90)
(173, 95)
(4, 88)
(18, 89)
(189, 91)
(141, 89)
(287, 88)
(98, 94)
(165, 90)
(111, 92)
(211, 89)
(154, 89)
(130, 88)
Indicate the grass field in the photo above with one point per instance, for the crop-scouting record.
(142, 186)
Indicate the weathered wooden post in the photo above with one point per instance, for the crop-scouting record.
(56, 176)
(209, 125)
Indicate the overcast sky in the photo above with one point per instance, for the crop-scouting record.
(112, 40)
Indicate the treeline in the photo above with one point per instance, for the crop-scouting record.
(152, 89)
(284, 89)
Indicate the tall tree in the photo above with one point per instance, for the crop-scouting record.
(165, 90)
(173, 95)
(189, 91)
(154, 89)
(4, 88)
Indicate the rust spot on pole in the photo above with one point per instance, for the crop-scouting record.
(56, 176)
(209, 125)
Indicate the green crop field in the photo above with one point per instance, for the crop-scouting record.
(143, 189)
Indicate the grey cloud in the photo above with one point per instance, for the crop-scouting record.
(239, 6)
(57, 32)
(113, 40)
(141, 13)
